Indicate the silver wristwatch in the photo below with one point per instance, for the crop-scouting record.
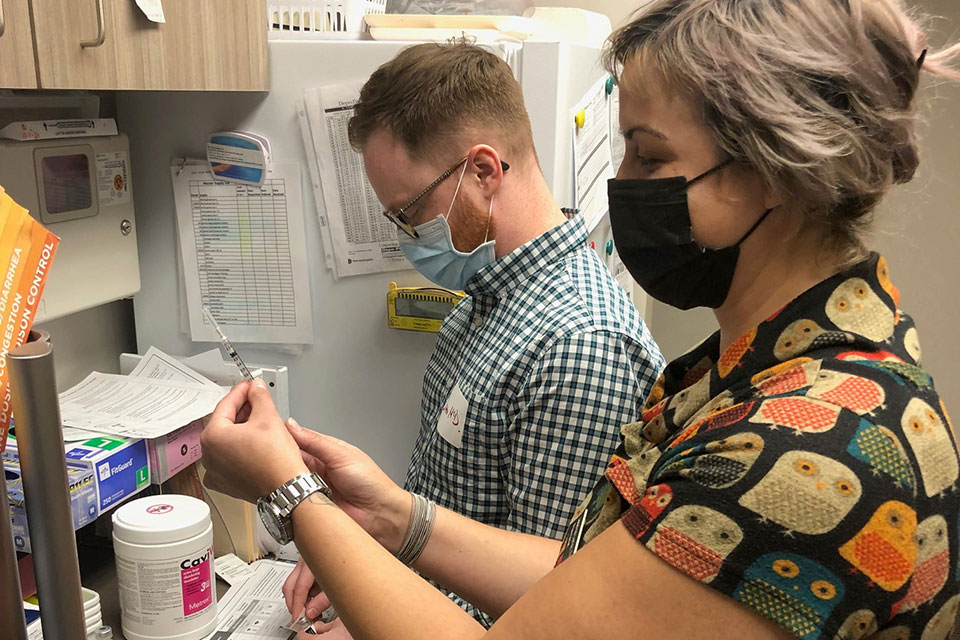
(276, 509)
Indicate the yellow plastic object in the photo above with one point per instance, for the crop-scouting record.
(420, 309)
(581, 118)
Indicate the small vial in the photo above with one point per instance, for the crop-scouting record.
(103, 633)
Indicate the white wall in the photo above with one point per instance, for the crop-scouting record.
(918, 228)
(91, 340)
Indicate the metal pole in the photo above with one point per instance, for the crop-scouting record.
(11, 600)
(36, 409)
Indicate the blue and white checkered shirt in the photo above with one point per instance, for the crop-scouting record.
(553, 358)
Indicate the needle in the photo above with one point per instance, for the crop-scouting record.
(227, 346)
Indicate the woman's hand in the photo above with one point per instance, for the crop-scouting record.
(359, 486)
(248, 458)
(362, 490)
(333, 631)
(303, 595)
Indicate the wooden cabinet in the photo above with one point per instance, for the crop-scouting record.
(17, 67)
(221, 47)
(204, 45)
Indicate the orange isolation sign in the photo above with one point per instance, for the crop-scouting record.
(26, 253)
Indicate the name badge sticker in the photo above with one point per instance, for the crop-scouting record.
(452, 417)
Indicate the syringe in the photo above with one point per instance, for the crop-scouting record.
(227, 346)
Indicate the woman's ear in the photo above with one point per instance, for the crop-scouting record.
(771, 199)
(751, 185)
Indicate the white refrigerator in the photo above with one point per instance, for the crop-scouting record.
(359, 380)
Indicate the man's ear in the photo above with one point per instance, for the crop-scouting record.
(486, 167)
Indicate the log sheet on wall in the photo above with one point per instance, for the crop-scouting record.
(244, 255)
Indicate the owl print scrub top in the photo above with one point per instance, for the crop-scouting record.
(809, 472)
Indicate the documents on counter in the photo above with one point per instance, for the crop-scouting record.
(244, 255)
(362, 239)
(255, 609)
(27, 250)
(212, 366)
(232, 569)
(160, 396)
(157, 365)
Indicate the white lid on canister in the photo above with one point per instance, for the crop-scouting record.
(161, 519)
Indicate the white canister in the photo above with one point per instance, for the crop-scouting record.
(164, 550)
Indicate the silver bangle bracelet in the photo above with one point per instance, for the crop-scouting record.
(422, 518)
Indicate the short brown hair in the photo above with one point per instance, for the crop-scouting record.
(431, 95)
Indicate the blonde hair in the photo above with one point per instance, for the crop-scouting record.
(818, 96)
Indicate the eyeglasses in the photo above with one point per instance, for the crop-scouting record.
(399, 219)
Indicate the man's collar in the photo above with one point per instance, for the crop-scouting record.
(519, 266)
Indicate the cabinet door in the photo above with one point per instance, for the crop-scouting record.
(17, 67)
(121, 61)
(197, 48)
(215, 45)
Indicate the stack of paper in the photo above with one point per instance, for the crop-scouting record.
(160, 396)
(26, 253)
(254, 608)
(358, 238)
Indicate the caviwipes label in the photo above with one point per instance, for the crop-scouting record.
(196, 583)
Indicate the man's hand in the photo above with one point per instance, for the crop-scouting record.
(248, 458)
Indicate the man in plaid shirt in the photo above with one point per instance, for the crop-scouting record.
(537, 369)
(552, 359)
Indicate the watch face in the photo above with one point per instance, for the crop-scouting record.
(271, 522)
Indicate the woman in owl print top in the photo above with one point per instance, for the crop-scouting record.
(795, 475)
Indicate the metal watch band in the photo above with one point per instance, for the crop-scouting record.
(291, 493)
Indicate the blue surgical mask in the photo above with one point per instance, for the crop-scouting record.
(435, 257)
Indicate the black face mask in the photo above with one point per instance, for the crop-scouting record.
(654, 237)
